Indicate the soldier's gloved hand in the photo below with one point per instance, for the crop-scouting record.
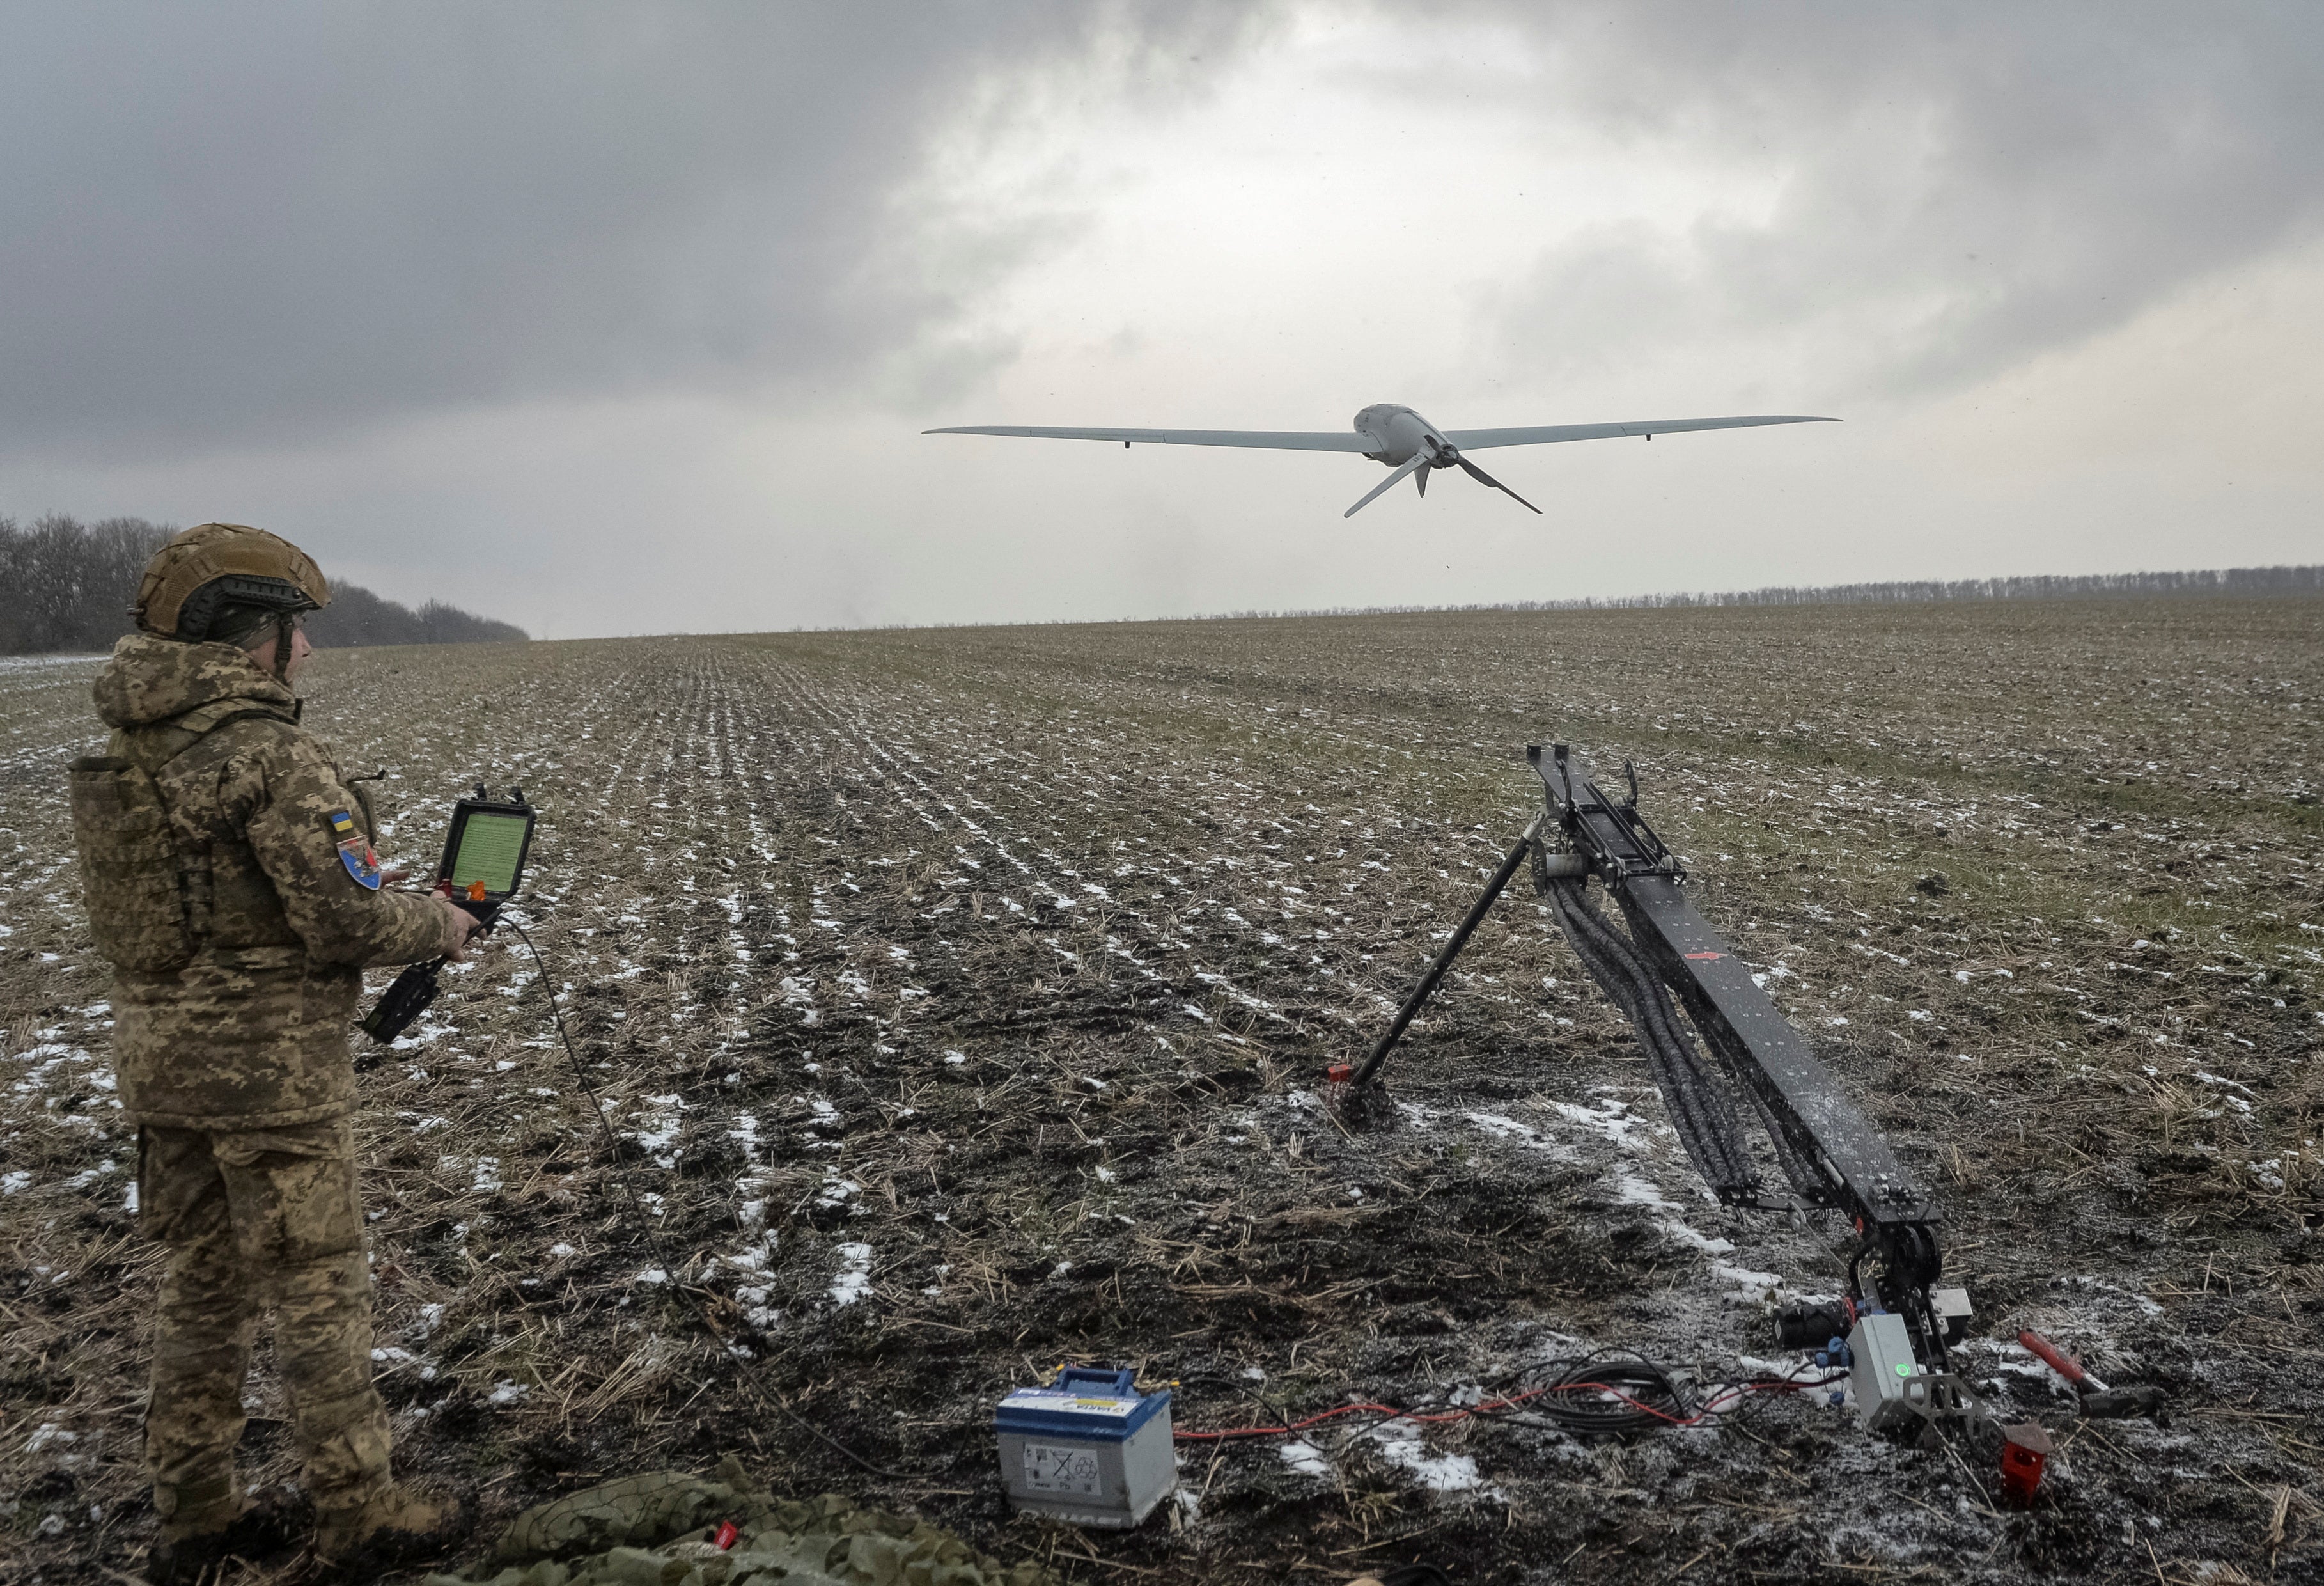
(459, 927)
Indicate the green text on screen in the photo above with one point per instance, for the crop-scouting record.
(490, 847)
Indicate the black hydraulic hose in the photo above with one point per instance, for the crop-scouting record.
(1601, 958)
(1643, 1397)
(1716, 1122)
(1603, 955)
(1698, 1104)
(1797, 1169)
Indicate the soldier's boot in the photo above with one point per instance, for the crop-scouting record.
(186, 1561)
(200, 1536)
(391, 1527)
(197, 1517)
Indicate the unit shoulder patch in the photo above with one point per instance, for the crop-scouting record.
(355, 852)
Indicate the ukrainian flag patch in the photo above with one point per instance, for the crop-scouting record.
(354, 853)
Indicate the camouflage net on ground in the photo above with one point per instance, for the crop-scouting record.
(660, 1530)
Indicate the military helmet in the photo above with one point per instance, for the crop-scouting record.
(214, 567)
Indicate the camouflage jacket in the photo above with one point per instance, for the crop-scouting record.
(252, 1033)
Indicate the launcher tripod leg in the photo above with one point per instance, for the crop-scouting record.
(1428, 982)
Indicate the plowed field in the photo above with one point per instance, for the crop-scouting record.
(961, 997)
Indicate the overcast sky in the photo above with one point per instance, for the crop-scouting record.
(619, 319)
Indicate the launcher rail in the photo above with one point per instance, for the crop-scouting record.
(1825, 1148)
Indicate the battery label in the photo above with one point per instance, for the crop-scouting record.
(1049, 1398)
(1056, 1468)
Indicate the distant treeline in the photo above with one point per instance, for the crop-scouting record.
(66, 585)
(357, 616)
(2232, 580)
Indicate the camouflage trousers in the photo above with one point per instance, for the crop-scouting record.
(255, 1221)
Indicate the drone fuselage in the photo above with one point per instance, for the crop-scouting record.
(1399, 435)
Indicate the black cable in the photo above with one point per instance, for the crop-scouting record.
(654, 1238)
(613, 1140)
(1794, 1167)
(1577, 1400)
(1626, 1393)
(1697, 1103)
(1708, 1119)
(1580, 1398)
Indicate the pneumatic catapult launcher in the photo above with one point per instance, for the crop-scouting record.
(1899, 1328)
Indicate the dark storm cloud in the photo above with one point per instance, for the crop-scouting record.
(241, 225)
(1955, 187)
(234, 223)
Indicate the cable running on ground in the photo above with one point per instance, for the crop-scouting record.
(1594, 1397)
(654, 1238)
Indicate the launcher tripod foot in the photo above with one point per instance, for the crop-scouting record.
(1361, 1109)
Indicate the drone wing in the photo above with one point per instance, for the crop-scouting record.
(1538, 434)
(1276, 440)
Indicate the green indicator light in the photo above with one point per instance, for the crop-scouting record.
(1904, 1368)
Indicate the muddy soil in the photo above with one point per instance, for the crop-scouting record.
(961, 1000)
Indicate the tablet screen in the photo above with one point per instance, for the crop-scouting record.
(490, 850)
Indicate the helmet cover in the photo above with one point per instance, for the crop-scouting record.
(216, 565)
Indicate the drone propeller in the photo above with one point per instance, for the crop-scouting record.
(1420, 461)
(1483, 478)
(1418, 466)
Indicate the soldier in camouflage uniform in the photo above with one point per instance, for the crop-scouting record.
(236, 977)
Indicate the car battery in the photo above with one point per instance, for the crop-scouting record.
(1088, 1448)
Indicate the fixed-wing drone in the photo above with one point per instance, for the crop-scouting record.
(1390, 434)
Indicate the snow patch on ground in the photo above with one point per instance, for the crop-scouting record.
(656, 1127)
(28, 663)
(853, 1279)
(1631, 1190)
(1751, 1286)
(1400, 1441)
(1613, 1119)
(47, 1435)
(1503, 1127)
(1688, 1235)
(1303, 1457)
